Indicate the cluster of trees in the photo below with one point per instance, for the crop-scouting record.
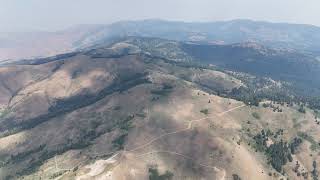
(118, 143)
(314, 172)
(305, 175)
(154, 175)
(253, 97)
(125, 125)
(33, 163)
(302, 109)
(261, 140)
(236, 177)
(164, 91)
(25, 154)
(273, 106)
(295, 144)
(259, 87)
(57, 174)
(289, 92)
(278, 153)
(256, 115)
(314, 144)
(278, 133)
(245, 95)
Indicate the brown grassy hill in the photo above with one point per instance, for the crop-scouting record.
(118, 113)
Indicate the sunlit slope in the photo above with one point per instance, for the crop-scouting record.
(126, 112)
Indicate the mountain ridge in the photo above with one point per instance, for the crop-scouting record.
(279, 35)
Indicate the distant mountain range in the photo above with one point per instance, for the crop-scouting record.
(294, 37)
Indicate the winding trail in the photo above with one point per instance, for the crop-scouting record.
(186, 157)
(178, 154)
(183, 130)
(189, 127)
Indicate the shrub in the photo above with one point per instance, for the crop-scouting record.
(314, 172)
(256, 115)
(119, 141)
(236, 177)
(295, 144)
(302, 109)
(205, 111)
(154, 175)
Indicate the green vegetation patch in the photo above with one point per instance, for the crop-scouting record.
(302, 109)
(314, 172)
(256, 115)
(236, 177)
(154, 175)
(262, 138)
(119, 141)
(125, 125)
(23, 155)
(142, 115)
(57, 174)
(4, 113)
(295, 143)
(164, 91)
(314, 145)
(278, 153)
(205, 111)
(117, 108)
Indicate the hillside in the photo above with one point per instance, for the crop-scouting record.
(297, 72)
(151, 109)
(23, 45)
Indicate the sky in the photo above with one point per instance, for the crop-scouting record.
(52, 15)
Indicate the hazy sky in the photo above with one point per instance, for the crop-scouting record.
(23, 15)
